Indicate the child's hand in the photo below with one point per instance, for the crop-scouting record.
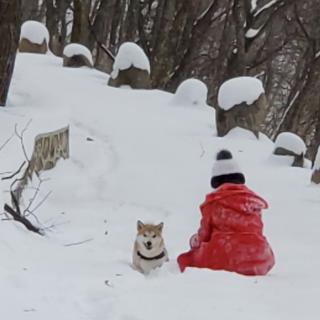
(194, 242)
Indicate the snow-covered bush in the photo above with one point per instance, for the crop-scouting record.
(130, 55)
(131, 67)
(241, 103)
(34, 37)
(315, 178)
(290, 144)
(238, 90)
(191, 92)
(77, 55)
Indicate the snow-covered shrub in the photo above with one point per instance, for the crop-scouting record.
(241, 103)
(290, 144)
(191, 92)
(34, 37)
(238, 90)
(131, 67)
(315, 178)
(77, 55)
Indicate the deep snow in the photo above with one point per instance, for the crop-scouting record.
(146, 160)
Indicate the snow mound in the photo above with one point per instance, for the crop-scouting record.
(240, 133)
(129, 55)
(34, 31)
(237, 90)
(291, 142)
(316, 165)
(191, 92)
(74, 49)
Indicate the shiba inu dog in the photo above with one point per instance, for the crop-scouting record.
(149, 250)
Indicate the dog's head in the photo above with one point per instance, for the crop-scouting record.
(149, 235)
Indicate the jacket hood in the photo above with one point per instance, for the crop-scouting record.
(237, 197)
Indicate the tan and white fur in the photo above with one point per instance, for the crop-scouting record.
(149, 250)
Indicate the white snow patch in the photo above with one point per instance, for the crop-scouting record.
(316, 165)
(154, 5)
(191, 92)
(240, 133)
(251, 33)
(266, 6)
(130, 54)
(237, 90)
(290, 141)
(307, 164)
(253, 5)
(74, 49)
(34, 31)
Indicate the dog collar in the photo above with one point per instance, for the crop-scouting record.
(161, 255)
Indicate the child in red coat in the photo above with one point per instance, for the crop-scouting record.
(231, 232)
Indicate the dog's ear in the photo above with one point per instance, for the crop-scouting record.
(160, 226)
(140, 225)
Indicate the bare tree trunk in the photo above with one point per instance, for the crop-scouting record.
(56, 22)
(9, 34)
(80, 28)
(31, 10)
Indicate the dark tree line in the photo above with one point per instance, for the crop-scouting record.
(277, 41)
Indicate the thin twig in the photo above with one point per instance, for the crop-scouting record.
(6, 142)
(33, 215)
(32, 199)
(42, 201)
(78, 243)
(21, 137)
(54, 225)
(17, 216)
(15, 173)
(5, 172)
(100, 44)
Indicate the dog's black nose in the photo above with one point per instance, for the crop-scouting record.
(149, 243)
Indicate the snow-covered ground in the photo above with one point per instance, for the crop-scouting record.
(146, 159)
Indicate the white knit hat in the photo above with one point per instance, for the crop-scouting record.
(226, 170)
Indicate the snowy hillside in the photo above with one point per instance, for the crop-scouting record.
(138, 155)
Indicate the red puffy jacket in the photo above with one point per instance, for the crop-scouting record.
(230, 236)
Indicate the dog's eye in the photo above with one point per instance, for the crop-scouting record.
(145, 235)
(154, 236)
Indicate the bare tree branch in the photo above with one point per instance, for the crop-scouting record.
(6, 142)
(16, 214)
(15, 173)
